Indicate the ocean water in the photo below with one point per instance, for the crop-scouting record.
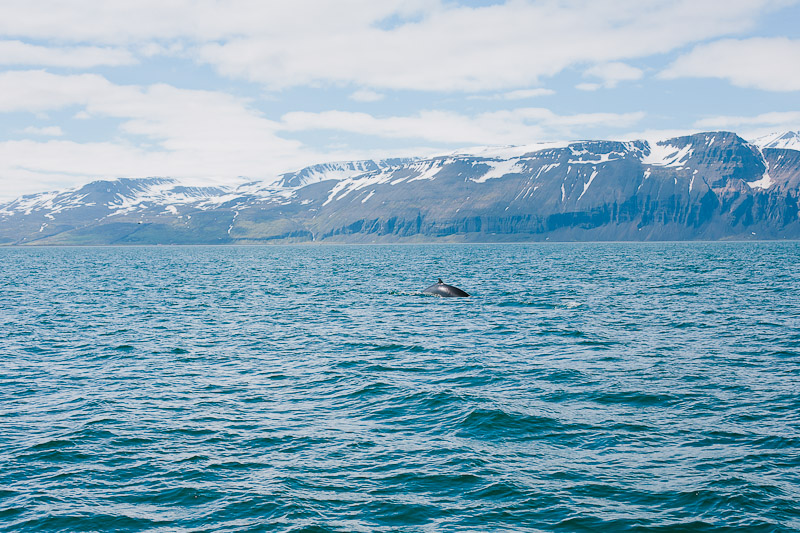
(583, 387)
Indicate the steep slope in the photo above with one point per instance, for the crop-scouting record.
(335, 171)
(705, 186)
(787, 140)
(107, 211)
(702, 186)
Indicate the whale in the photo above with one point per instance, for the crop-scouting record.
(443, 289)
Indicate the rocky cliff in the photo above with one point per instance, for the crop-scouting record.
(705, 186)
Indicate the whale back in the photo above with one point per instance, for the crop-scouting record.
(445, 290)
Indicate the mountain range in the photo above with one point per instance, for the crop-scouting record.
(711, 185)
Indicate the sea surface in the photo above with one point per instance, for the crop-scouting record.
(582, 387)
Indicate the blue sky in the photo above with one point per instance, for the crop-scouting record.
(218, 91)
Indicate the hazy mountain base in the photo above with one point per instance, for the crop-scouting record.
(708, 186)
(568, 227)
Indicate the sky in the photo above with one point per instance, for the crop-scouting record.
(225, 91)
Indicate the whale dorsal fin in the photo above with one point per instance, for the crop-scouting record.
(440, 280)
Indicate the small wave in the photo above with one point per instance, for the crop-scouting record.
(369, 390)
(392, 347)
(11, 512)
(777, 442)
(565, 375)
(112, 333)
(427, 411)
(82, 521)
(498, 491)
(521, 303)
(124, 348)
(634, 398)
(132, 442)
(432, 482)
(562, 332)
(71, 454)
(191, 431)
(784, 353)
(497, 423)
(408, 293)
(399, 513)
(687, 325)
(185, 495)
(54, 444)
(598, 343)
(244, 466)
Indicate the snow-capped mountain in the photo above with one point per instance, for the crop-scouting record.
(335, 171)
(787, 140)
(710, 185)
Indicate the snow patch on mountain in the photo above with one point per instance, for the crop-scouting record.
(588, 183)
(427, 170)
(32, 202)
(500, 168)
(507, 152)
(663, 154)
(125, 196)
(339, 170)
(593, 158)
(764, 183)
(159, 193)
(787, 140)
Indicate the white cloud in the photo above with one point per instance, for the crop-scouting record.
(387, 44)
(478, 49)
(751, 127)
(773, 119)
(207, 135)
(516, 126)
(518, 94)
(37, 90)
(19, 53)
(137, 21)
(162, 130)
(611, 75)
(655, 135)
(588, 86)
(365, 95)
(152, 49)
(523, 94)
(176, 118)
(47, 131)
(771, 64)
(500, 52)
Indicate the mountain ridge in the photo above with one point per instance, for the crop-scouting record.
(712, 185)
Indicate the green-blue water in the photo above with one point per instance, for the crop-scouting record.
(602, 387)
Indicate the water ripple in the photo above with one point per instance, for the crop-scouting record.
(608, 387)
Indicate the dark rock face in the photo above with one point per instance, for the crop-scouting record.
(705, 186)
